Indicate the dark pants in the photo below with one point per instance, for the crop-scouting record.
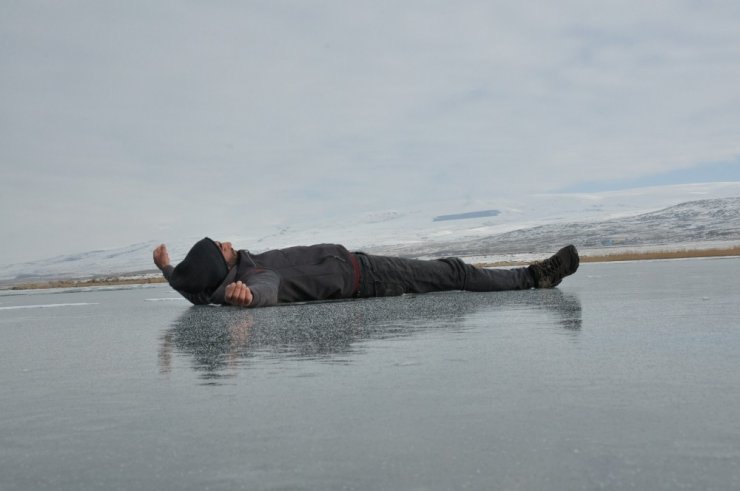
(383, 276)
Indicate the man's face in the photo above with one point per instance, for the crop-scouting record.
(228, 252)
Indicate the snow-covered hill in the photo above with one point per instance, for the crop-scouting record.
(698, 223)
(690, 215)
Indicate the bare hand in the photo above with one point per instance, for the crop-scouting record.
(238, 294)
(161, 257)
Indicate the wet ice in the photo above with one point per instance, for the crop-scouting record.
(625, 376)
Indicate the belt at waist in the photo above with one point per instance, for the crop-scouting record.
(357, 274)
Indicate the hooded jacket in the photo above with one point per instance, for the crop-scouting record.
(295, 274)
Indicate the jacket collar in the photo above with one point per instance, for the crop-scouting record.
(244, 262)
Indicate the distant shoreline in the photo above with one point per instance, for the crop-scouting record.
(585, 258)
(81, 283)
(637, 256)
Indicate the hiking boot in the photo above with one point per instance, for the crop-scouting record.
(551, 271)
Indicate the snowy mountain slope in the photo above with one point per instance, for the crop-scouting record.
(101, 262)
(540, 223)
(703, 221)
(384, 229)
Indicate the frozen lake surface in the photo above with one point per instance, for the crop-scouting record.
(627, 376)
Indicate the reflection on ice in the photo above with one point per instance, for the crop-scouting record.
(218, 338)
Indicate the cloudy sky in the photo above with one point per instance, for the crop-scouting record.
(130, 121)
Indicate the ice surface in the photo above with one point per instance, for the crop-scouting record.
(45, 306)
(624, 377)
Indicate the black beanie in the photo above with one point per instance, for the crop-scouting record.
(202, 270)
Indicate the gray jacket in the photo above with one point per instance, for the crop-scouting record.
(295, 274)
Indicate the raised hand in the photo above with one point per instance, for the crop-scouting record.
(161, 256)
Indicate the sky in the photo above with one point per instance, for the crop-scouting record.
(130, 121)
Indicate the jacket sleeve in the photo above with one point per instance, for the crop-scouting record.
(264, 285)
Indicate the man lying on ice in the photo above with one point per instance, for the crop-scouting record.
(213, 272)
